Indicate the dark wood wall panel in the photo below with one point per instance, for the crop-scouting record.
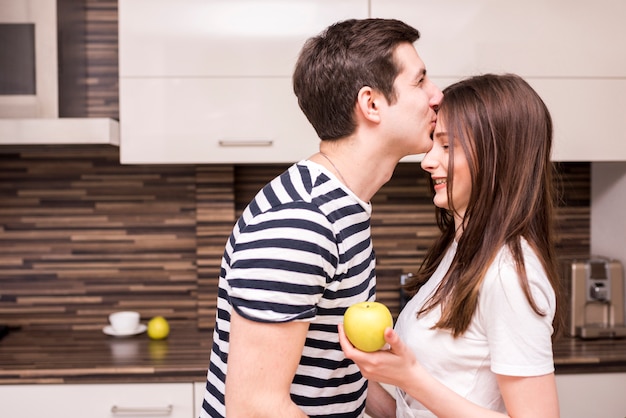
(82, 236)
(102, 59)
(574, 210)
(403, 227)
(403, 218)
(215, 215)
(71, 33)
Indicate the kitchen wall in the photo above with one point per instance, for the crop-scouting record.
(82, 235)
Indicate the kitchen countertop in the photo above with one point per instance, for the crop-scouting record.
(90, 356)
(572, 355)
(30, 356)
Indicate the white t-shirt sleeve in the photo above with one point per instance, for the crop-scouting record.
(519, 339)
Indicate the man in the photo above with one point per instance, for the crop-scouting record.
(301, 253)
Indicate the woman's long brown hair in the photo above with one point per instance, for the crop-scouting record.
(505, 131)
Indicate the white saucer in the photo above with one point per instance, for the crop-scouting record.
(108, 330)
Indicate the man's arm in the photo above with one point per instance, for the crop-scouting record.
(262, 362)
(380, 403)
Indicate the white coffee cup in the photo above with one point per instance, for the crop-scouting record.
(124, 322)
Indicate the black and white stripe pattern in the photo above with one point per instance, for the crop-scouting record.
(301, 251)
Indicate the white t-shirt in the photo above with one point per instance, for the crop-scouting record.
(505, 335)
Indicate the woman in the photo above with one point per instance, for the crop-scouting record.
(475, 340)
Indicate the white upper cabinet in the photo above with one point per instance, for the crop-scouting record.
(572, 52)
(213, 120)
(209, 81)
(533, 38)
(222, 38)
(589, 117)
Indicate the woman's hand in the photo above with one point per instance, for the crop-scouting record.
(393, 365)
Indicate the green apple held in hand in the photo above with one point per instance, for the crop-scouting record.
(365, 324)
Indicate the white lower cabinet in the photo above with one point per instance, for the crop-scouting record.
(580, 396)
(601, 395)
(198, 390)
(588, 395)
(171, 400)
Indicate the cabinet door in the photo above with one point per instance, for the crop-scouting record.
(198, 390)
(174, 400)
(191, 38)
(212, 120)
(209, 81)
(592, 395)
(534, 38)
(588, 117)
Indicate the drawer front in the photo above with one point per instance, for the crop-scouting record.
(587, 115)
(173, 400)
(213, 120)
(592, 395)
(198, 389)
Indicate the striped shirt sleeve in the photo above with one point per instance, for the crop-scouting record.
(281, 263)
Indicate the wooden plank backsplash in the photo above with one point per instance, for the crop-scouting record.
(403, 218)
(102, 78)
(215, 216)
(82, 235)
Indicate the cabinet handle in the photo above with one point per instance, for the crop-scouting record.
(247, 143)
(123, 410)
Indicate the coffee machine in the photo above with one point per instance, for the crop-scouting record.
(595, 297)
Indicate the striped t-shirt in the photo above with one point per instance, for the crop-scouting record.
(301, 251)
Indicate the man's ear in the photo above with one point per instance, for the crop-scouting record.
(368, 104)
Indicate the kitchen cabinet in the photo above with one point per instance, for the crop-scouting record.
(174, 400)
(222, 38)
(206, 81)
(213, 120)
(582, 131)
(198, 389)
(588, 117)
(535, 38)
(571, 52)
(580, 396)
(592, 395)
(586, 395)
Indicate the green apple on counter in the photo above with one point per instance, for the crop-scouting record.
(364, 324)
